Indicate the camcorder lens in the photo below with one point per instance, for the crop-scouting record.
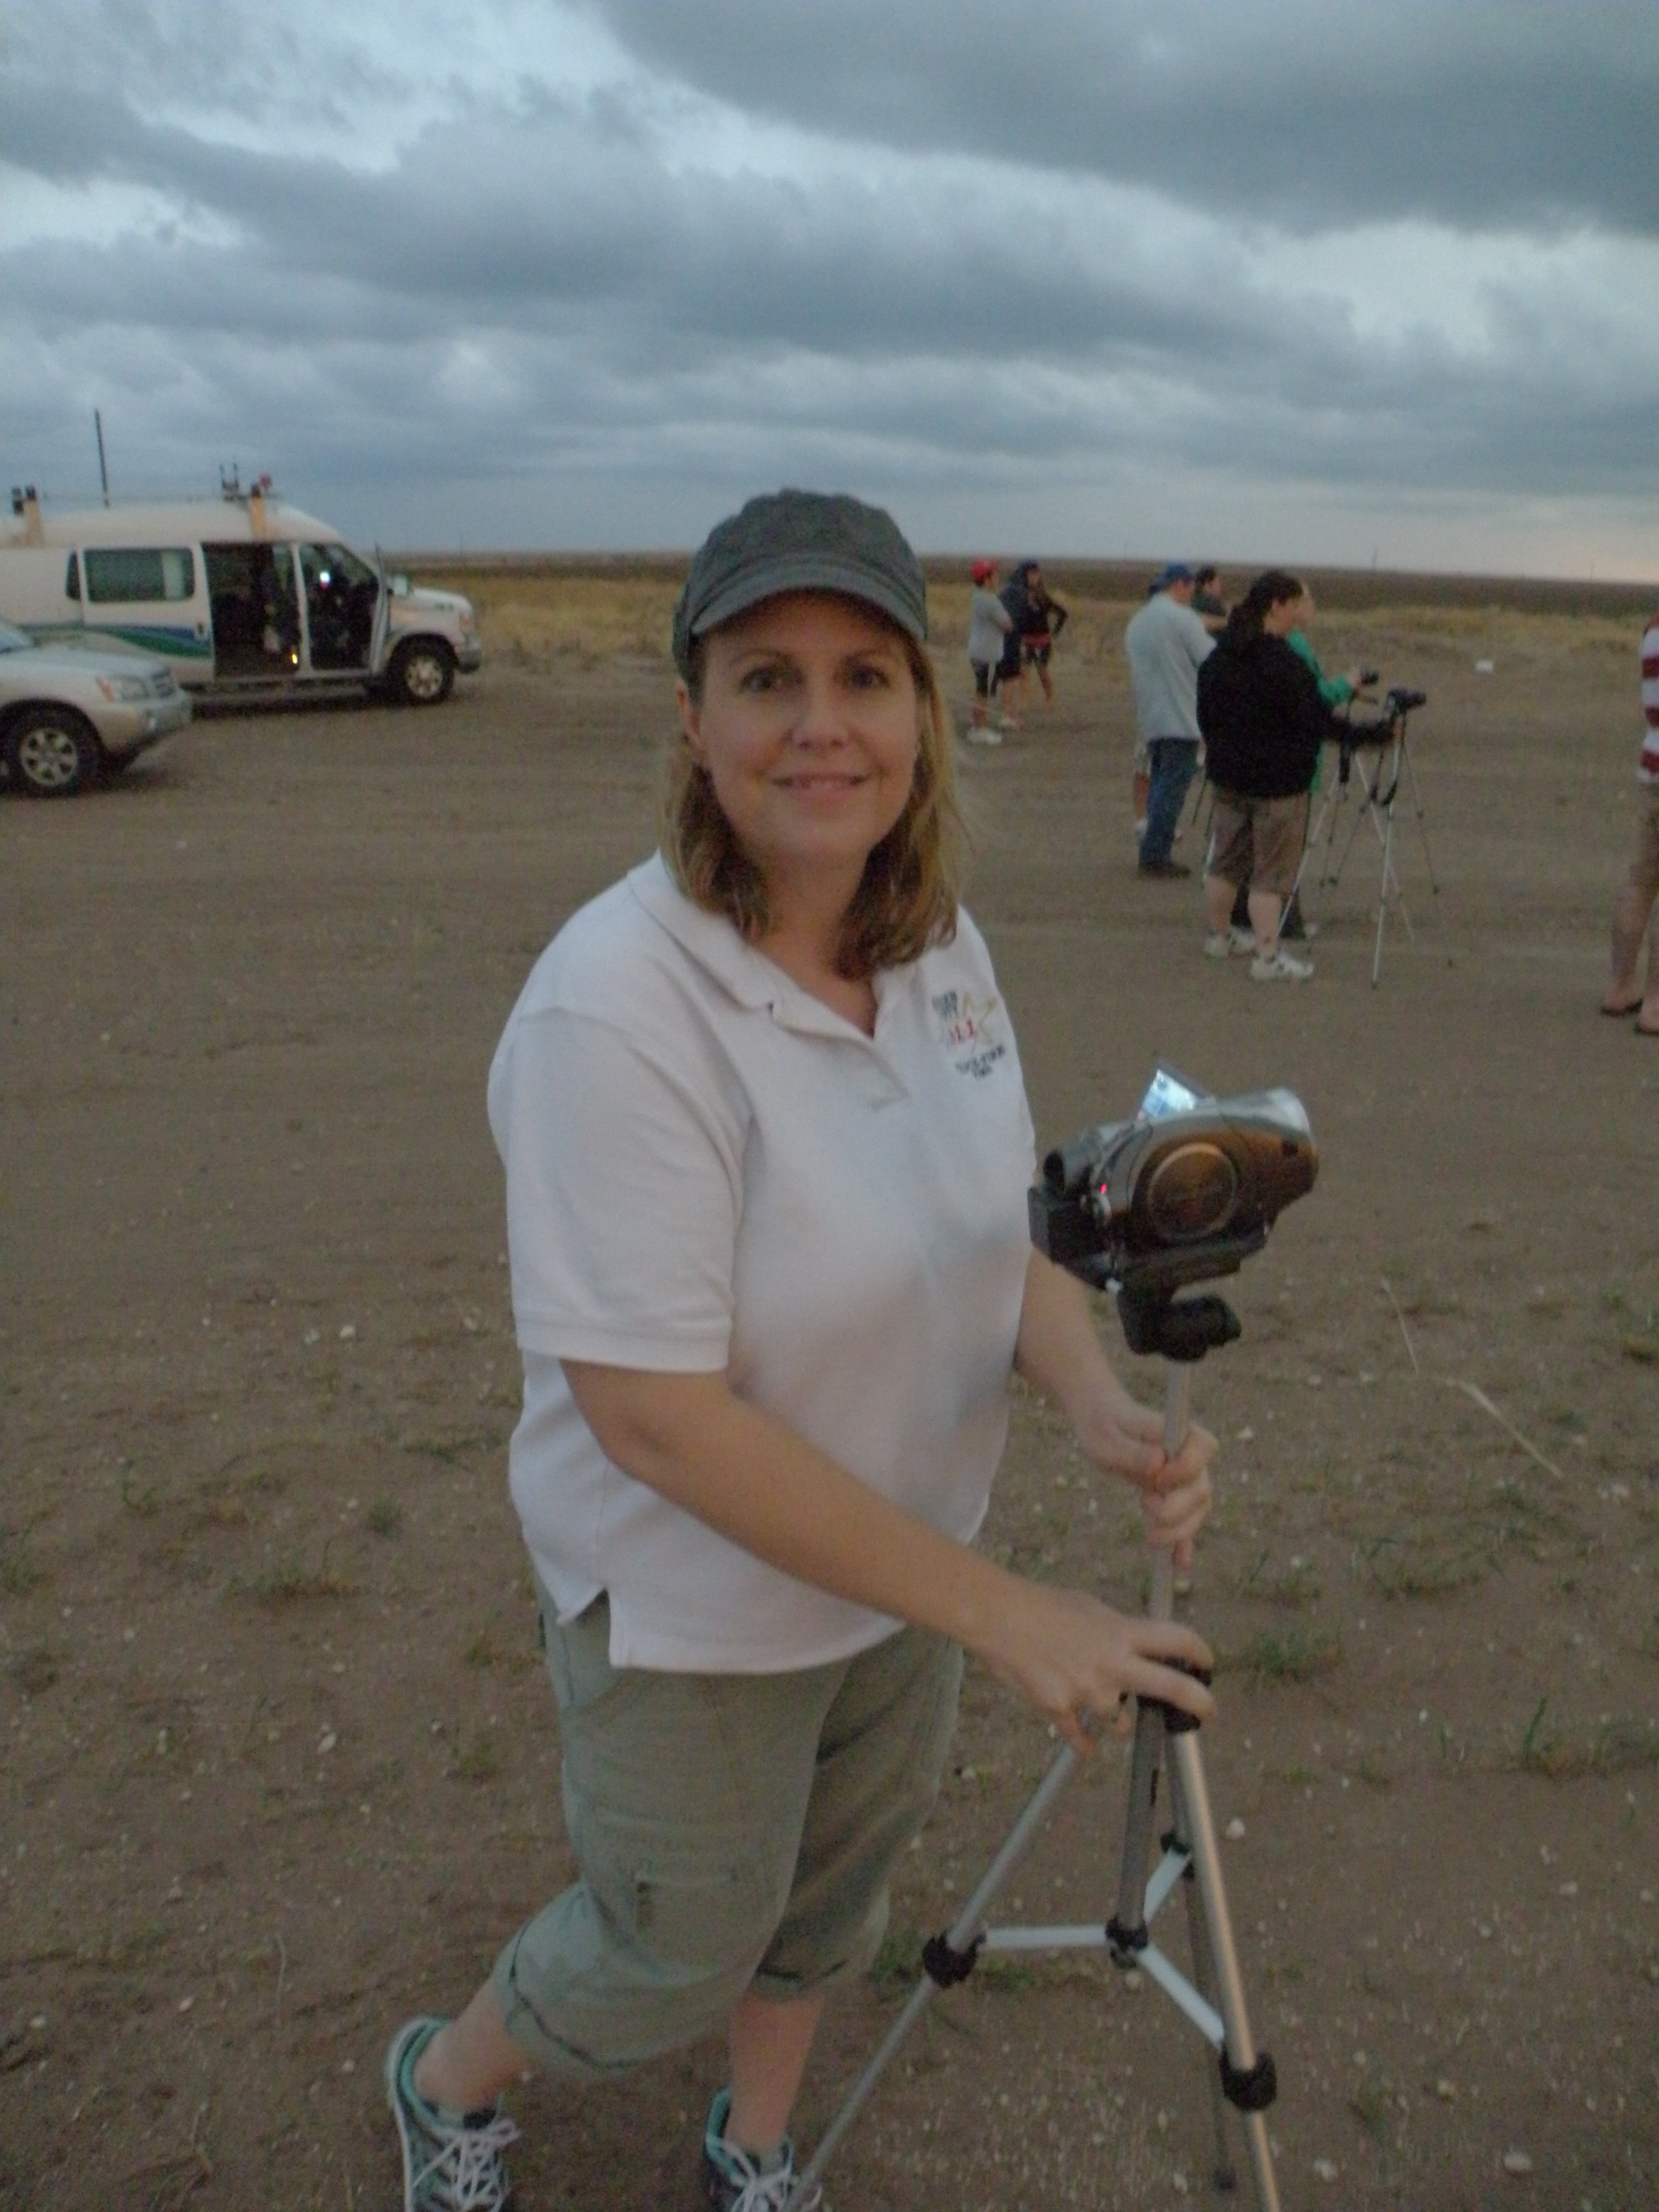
(1190, 1193)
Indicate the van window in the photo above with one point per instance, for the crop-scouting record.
(124, 575)
(72, 578)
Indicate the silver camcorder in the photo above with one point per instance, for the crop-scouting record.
(1184, 1192)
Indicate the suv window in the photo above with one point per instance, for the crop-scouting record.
(123, 575)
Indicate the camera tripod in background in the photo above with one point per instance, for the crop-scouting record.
(1371, 761)
(1182, 1329)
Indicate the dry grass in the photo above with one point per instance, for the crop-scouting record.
(534, 616)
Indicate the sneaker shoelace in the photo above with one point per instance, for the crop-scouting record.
(770, 2193)
(763, 2190)
(468, 2168)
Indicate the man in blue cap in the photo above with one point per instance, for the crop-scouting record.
(1167, 644)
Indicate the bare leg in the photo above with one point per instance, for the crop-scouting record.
(768, 2043)
(1217, 903)
(1630, 920)
(1265, 907)
(468, 2063)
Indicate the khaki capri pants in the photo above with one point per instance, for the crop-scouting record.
(1643, 880)
(1257, 842)
(733, 1831)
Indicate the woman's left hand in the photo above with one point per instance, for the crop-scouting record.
(1174, 1491)
(1060, 1354)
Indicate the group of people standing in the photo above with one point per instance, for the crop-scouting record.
(1244, 688)
(1009, 633)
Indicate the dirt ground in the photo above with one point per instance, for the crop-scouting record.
(280, 1764)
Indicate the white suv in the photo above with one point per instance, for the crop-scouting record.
(68, 717)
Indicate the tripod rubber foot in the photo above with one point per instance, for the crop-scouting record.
(1124, 1944)
(944, 1965)
(1250, 2088)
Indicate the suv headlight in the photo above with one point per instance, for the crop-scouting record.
(125, 687)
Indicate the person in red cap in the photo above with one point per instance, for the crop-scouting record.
(989, 625)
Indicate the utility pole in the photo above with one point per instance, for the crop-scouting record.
(103, 470)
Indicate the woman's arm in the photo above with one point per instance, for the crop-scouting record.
(748, 1475)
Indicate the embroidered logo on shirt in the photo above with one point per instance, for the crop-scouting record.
(968, 1030)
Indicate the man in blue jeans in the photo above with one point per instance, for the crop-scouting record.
(1167, 643)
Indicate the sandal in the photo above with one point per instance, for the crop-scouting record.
(1621, 1013)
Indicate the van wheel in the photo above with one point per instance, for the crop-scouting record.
(422, 672)
(53, 753)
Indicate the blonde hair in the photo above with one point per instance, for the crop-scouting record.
(907, 899)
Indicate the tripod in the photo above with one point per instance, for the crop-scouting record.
(1389, 748)
(1165, 1743)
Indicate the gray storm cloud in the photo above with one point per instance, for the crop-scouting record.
(921, 250)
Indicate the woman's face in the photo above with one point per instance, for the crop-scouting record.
(1286, 615)
(808, 726)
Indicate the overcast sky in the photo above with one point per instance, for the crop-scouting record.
(1316, 280)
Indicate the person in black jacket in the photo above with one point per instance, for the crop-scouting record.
(1037, 618)
(1264, 721)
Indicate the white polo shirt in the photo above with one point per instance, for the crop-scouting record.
(709, 1171)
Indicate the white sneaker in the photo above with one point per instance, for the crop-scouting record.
(1281, 967)
(982, 733)
(451, 2162)
(1224, 944)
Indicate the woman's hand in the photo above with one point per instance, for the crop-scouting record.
(1126, 1438)
(1060, 1354)
(1079, 1663)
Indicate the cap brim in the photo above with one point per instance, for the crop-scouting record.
(810, 572)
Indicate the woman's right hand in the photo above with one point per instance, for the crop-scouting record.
(1079, 1663)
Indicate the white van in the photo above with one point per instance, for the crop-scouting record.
(244, 596)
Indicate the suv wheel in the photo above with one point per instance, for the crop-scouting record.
(53, 753)
(422, 672)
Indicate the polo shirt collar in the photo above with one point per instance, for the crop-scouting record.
(746, 975)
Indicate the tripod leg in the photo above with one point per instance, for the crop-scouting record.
(1249, 2080)
(1126, 1932)
(1204, 1977)
(948, 1959)
(1329, 870)
(1417, 808)
(1382, 908)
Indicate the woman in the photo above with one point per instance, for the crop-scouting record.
(1264, 720)
(766, 1148)
(988, 625)
(1335, 691)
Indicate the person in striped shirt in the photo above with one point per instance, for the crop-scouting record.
(1633, 910)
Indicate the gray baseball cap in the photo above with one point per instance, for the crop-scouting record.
(799, 541)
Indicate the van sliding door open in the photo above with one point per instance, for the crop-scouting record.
(256, 611)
